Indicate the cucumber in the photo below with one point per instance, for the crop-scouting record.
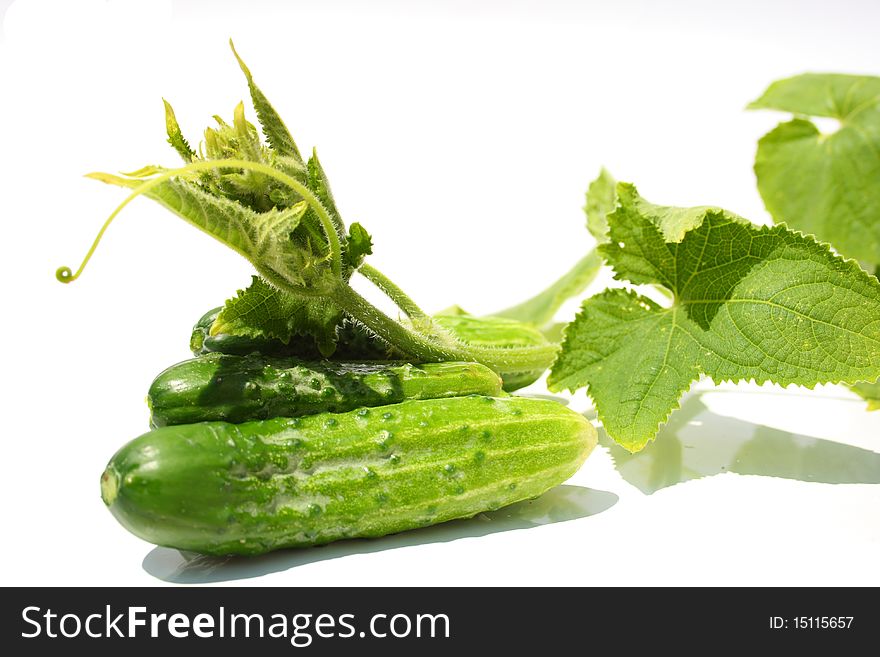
(202, 342)
(240, 388)
(497, 332)
(356, 343)
(226, 489)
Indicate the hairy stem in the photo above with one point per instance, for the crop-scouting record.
(401, 337)
(422, 322)
(393, 292)
(426, 349)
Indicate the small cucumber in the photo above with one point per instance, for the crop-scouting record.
(202, 342)
(497, 332)
(354, 343)
(240, 388)
(224, 489)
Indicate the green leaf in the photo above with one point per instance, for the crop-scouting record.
(601, 200)
(175, 136)
(264, 311)
(870, 392)
(249, 147)
(359, 244)
(749, 303)
(832, 95)
(312, 318)
(318, 183)
(827, 185)
(144, 172)
(276, 132)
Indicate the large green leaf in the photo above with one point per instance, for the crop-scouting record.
(827, 185)
(750, 303)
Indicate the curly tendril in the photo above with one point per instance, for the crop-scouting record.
(65, 274)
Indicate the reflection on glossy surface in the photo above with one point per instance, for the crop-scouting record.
(556, 505)
(699, 443)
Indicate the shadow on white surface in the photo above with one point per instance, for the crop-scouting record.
(559, 504)
(698, 443)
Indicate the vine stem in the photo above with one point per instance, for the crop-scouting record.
(393, 292)
(423, 323)
(425, 349)
(395, 333)
(65, 275)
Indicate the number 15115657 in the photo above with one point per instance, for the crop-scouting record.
(811, 622)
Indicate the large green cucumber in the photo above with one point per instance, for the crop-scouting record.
(240, 388)
(355, 342)
(222, 489)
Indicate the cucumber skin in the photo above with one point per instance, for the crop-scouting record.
(226, 489)
(221, 387)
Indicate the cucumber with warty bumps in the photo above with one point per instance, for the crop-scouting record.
(224, 489)
(240, 388)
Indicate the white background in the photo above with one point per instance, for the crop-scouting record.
(462, 135)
